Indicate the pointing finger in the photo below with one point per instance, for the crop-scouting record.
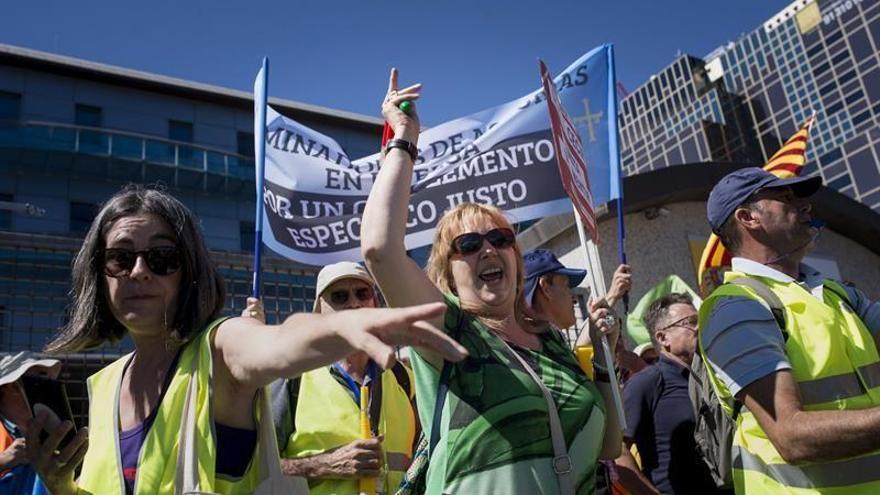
(379, 351)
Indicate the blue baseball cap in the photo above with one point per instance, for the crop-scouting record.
(542, 261)
(736, 187)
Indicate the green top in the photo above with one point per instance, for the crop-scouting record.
(495, 434)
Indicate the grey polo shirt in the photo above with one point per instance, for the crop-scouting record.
(742, 341)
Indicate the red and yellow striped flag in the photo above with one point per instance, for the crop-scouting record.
(787, 162)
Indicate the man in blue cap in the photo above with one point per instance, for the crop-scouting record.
(548, 285)
(792, 355)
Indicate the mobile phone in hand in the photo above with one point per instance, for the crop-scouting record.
(50, 397)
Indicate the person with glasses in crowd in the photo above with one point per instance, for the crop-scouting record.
(144, 271)
(518, 415)
(17, 475)
(659, 415)
(317, 415)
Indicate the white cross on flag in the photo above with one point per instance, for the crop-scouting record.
(572, 166)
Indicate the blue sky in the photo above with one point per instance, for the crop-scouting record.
(469, 55)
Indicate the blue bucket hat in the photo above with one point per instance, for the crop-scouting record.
(542, 261)
(736, 187)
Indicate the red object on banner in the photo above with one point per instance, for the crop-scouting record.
(569, 156)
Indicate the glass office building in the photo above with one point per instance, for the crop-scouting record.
(743, 100)
(72, 133)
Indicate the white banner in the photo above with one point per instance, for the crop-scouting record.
(314, 195)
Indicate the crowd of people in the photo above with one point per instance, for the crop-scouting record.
(491, 398)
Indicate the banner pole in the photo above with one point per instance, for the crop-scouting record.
(598, 290)
(261, 90)
(614, 162)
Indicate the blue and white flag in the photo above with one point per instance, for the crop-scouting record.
(314, 194)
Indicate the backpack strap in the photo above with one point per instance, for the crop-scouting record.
(440, 401)
(840, 291)
(283, 396)
(777, 308)
(737, 408)
(443, 390)
(661, 387)
(402, 377)
(769, 297)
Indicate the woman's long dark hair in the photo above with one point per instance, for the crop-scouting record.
(201, 293)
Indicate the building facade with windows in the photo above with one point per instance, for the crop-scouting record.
(73, 133)
(698, 117)
(743, 100)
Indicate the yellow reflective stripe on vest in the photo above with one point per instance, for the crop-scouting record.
(397, 461)
(830, 474)
(831, 388)
(835, 362)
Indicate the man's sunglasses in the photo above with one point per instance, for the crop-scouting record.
(340, 297)
(473, 241)
(163, 260)
(689, 322)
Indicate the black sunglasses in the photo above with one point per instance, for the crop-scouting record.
(340, 297)
(473, 241)
(163, 260)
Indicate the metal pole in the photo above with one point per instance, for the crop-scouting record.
(597, 289)
(261, 89)
(614, 162)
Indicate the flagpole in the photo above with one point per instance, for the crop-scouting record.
(596, 278)
(614, 162)
(261, 89)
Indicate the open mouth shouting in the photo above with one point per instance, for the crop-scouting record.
(491, 274)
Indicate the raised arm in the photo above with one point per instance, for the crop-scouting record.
(621, 283)
(255, 354)
(402, 281)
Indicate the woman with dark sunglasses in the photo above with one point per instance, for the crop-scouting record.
(144, 270)
(493, 432)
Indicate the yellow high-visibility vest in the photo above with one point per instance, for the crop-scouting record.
(836, 365)
(327, 417)
(157, 466)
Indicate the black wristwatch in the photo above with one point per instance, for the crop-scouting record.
(404, 145)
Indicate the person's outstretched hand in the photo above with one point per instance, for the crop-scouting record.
(377, 331)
